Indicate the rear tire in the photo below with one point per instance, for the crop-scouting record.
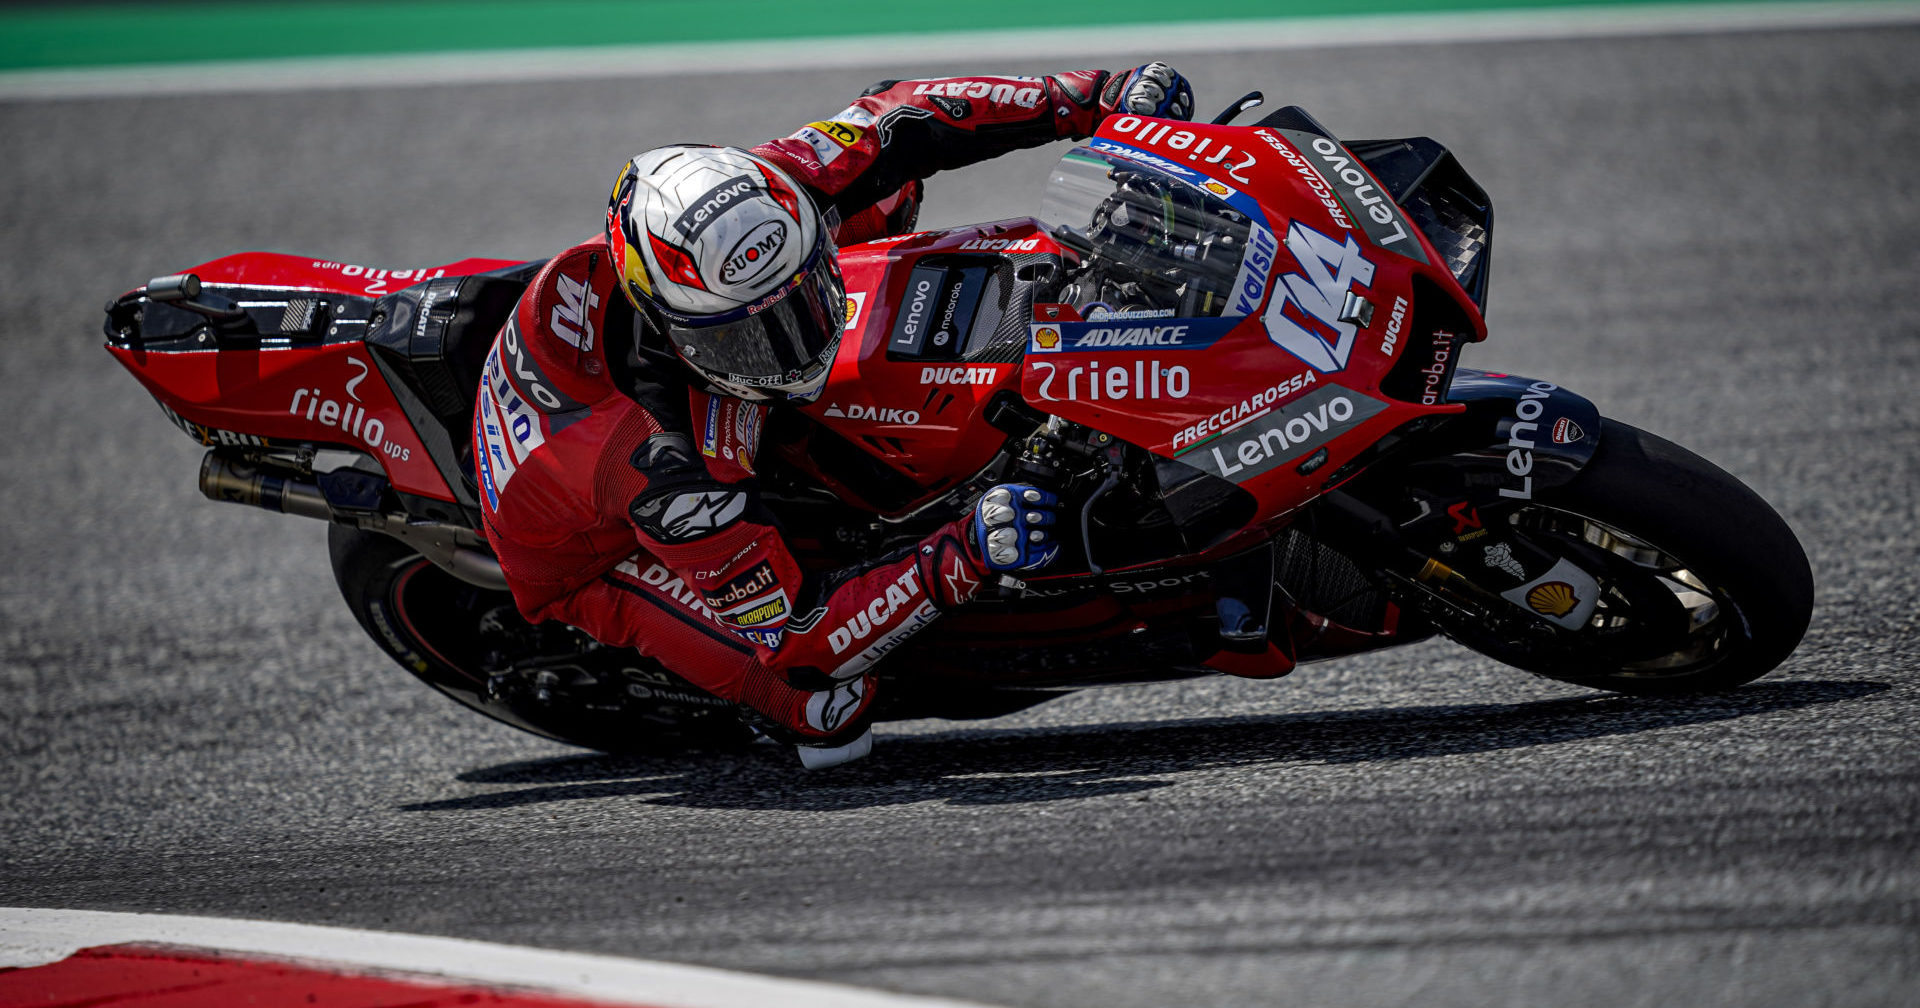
(1704, 587)
(448, 633)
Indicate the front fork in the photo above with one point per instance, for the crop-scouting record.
(1461, 561)
(1451, 546)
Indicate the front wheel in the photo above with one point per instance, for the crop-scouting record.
(1703, 586)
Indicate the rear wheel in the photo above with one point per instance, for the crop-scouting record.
(1702, 586)
(472, 645)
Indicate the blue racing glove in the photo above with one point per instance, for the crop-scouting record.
(1155, 90)
(1009, 528)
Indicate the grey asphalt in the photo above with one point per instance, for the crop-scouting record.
(1713, 237)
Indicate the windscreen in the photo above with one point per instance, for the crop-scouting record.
(1150, 243)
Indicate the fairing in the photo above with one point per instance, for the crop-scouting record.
(1283, 387)
(297, 371)
(936, 325)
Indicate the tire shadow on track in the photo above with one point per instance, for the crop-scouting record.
(984, 767)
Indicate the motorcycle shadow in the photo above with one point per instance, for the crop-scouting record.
(985, 767)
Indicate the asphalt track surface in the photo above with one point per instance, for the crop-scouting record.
(1711, 236)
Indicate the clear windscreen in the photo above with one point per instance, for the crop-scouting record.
(1151, 243)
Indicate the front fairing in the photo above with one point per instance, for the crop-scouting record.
(1276, 330)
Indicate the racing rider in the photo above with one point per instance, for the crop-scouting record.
(622, 404)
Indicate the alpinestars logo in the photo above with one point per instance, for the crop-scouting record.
(1298, 321)
(960, 583)
(829, 709)
(692, 515)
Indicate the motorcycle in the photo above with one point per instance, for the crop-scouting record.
(1233, 351)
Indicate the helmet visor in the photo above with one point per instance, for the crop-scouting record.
(783, 342)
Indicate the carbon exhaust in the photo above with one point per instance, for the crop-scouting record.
(224, 479)
(453, 548)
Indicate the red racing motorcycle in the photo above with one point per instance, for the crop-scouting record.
(1234, 351)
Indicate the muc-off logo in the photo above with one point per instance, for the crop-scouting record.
(711, 204)
(1301, 320)
(754, 253)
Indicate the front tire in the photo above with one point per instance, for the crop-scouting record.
(1704, 587)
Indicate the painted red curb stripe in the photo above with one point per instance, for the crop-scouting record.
(74, 958)
(136, 976)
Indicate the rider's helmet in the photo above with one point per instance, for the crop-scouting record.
(726, 255)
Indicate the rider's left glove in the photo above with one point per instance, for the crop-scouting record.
(1155, 89)
(1010, 528)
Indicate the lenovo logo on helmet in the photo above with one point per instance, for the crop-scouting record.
(754, 254)
(707, 209)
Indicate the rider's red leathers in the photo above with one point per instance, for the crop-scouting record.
(619, 494)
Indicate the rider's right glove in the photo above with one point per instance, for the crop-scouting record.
(1010, 528)
(1155, 89)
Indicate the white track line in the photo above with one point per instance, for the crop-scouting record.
(1003, 47)
(30, 937)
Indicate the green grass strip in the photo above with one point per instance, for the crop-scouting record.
(121, 34)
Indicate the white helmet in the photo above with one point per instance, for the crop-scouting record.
(725, 254)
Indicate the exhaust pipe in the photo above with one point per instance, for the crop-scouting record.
(224, 479)
(451, 547)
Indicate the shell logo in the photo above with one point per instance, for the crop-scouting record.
(1047, 337)
(1555, 598)
(1216, 188)
(853, 308)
